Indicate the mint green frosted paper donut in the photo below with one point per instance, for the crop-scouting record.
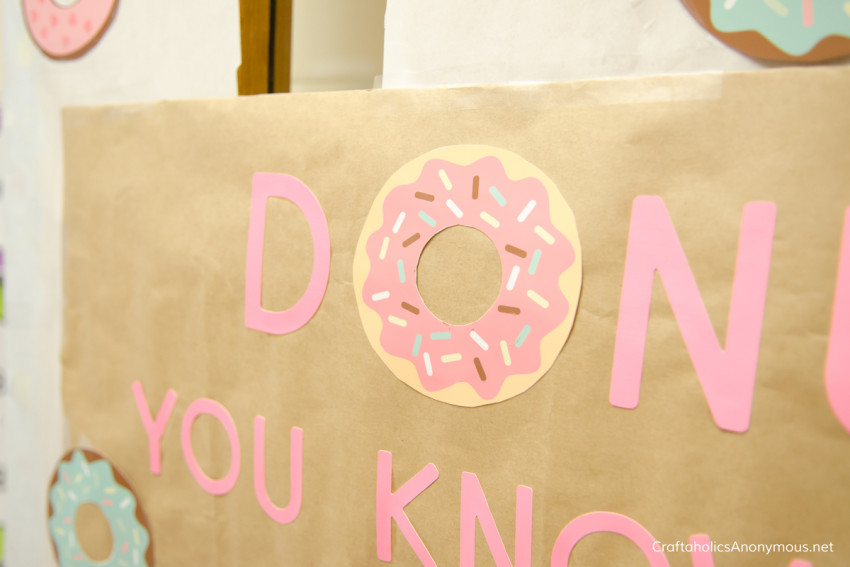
(794, 26)
(79, 482)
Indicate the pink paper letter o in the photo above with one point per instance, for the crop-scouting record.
(215, 409)
(605, 522)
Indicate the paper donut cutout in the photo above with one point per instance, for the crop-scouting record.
(516, 341)
(67, 32)
(84, 476)
(805, 31)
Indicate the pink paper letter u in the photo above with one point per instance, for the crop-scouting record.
(266, 185)
(288, 513)
(727, 375)
(838, 353)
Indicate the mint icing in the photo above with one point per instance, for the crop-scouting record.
(80, 482)
(783, 22)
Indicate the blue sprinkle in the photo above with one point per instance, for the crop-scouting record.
(424, 216)
(534, 261)
(522, 335)
(498, 196)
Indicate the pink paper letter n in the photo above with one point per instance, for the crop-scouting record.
(727, 375)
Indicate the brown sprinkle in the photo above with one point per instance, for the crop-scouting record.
(410, 240)
(517, 251)
(423, 196)
(509, 309)
(475, 187)
(409, 307)
(480, 370)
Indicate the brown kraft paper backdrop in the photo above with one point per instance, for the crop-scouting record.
(157, 211)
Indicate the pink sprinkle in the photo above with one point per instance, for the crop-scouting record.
(87, 26)
(67, 520)
(53, 20)
(64, 474)
(65, 40)
(125, 547)
(106, 502)
(808, 13)
(78, 557)
(72, 19)
(33, 16)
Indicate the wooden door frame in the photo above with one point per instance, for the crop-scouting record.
(266, 37)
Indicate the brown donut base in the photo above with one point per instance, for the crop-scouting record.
(92, 456)
(82, 50)
(754, 44)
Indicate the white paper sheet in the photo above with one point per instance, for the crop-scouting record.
(154, 49)
(445, 42)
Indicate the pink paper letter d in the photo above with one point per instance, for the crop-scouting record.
(266, 185)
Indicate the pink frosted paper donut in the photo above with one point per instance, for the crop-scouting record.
(516, 341)
(66, 32)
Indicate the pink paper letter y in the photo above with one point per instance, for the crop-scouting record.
(154, 427)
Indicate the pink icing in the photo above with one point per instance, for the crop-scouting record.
(61, 31)
(495, 326)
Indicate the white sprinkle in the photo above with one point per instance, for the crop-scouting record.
(454, 357)
(455, 209)
(428, 369)
(729, 4)
(135, 557)
(537, 298)
(384, 246)
(489, 220)
(541, 232)
(85, 467)
(72, 496)
(478, 340)
(527, 210)
(512, 279)
(398, 222)
(380, 295)
(505, 354)
(397, 321)
(445, 179)
(124, 503)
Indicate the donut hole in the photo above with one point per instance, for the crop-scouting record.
(65, 3)
(459, 275)
(287, 255)
(93, 532)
